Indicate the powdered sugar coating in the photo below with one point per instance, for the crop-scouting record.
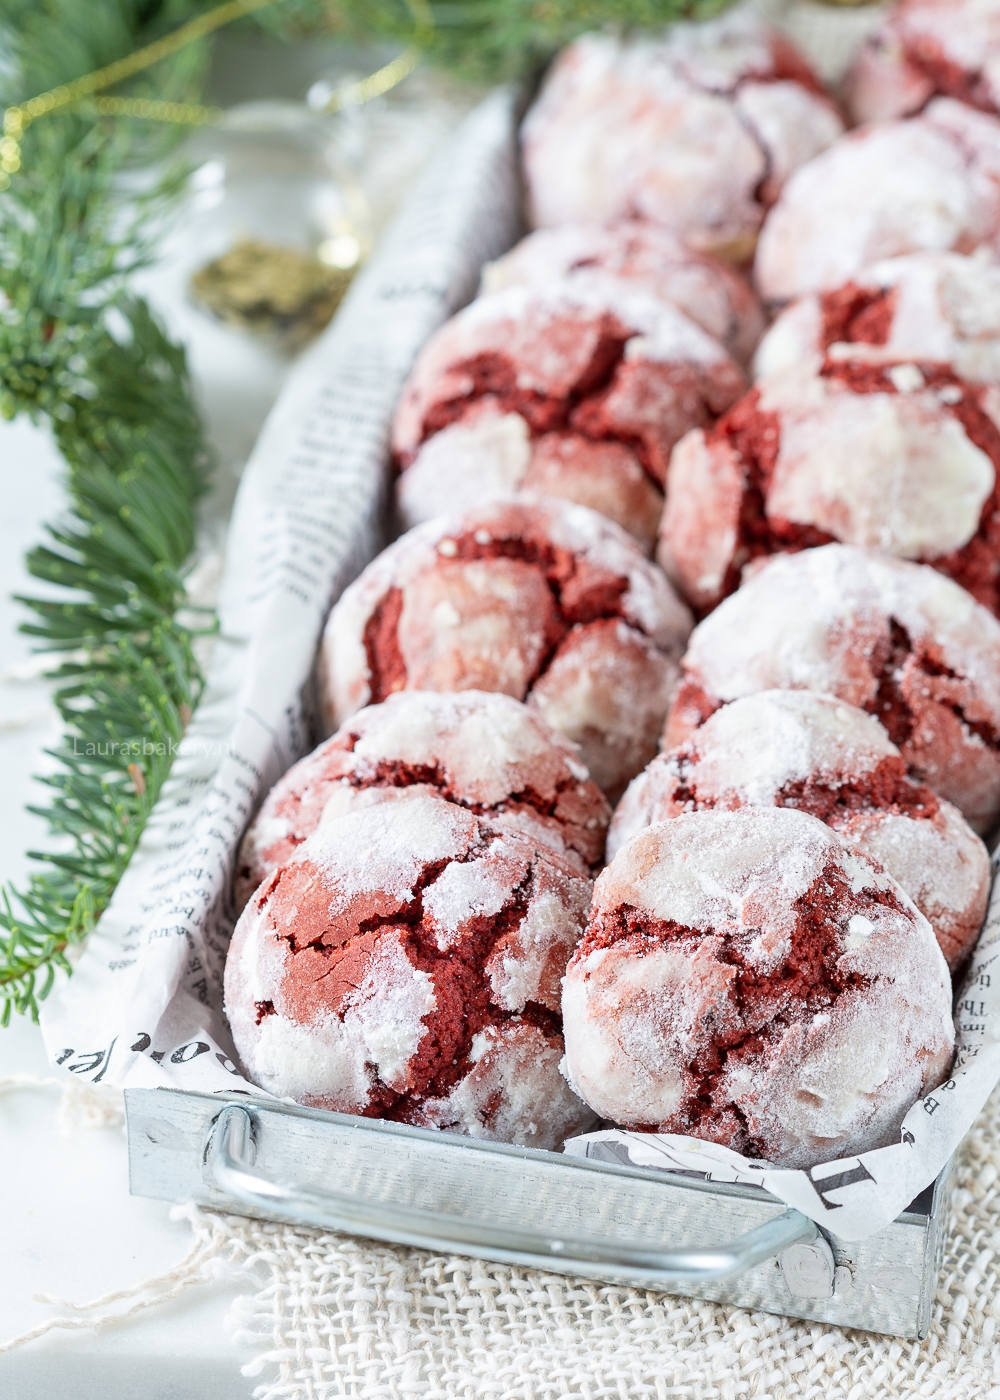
(711, 292)
(927, 184)
(896, 639)
(488, 454)
(406, 964)
(923, 47)
(813, 753)
(940, 307)
(595, 355)
(747, 978)
(507, 598)
(482, 751)
(694, 132)
(900, 457)
(941, 864)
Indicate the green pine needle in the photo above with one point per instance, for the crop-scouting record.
(136, 468)
(76, 350)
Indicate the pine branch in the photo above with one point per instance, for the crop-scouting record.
(137, 467)
(73, 227)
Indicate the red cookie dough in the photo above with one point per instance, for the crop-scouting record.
(939, 307)
(548, 603)
(795, 748)
(697, 132)
(711, 292)
(896, 639)
(485, 752)
(749, 979)
(930, 184)
(405, 964)
(899, 457)
(577, 391)
(923, 48)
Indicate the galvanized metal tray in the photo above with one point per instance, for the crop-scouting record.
(598, 1219)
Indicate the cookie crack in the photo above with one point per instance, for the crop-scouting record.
(885, 788)
(890, 705)
(577, 600)
(764, 1003)
(949, 79)
(754, 437)
(494, 375)
(857, 315)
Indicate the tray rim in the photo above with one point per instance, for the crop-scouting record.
(456, 1142)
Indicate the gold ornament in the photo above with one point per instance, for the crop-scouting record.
(280, 291)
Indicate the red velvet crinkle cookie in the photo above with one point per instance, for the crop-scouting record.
(902, 458)
(406, 964)
(696, 132)
(939, 307)
(923, 48)
(896, 639)
(930, 184)
(548, 603)
(597, 355)
(748, 978)
(795, 748)
(578, 391)
(711, 292)
(488, 753)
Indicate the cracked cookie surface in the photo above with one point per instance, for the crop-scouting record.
(406, 964)
(578, 389)
(900, 457)
(937, 307)
(482, 751)
(748, 978)
(698, 131)
(549, 603)
(896, 639)
(710, 291)
(810, 752)
(926, 184)
(923, 48)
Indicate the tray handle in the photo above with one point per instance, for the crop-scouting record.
(230, 1153)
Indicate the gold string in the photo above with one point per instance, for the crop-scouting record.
(149, 109)
(17, 118)
(379, 82)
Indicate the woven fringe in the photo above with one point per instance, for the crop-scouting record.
(82, 1105)
(214, 1252)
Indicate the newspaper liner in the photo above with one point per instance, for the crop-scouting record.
(144, 1006)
